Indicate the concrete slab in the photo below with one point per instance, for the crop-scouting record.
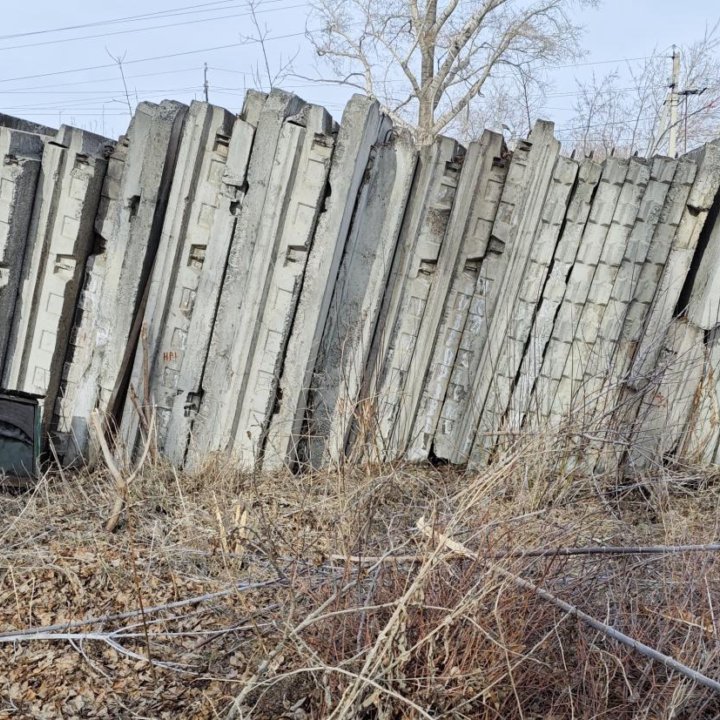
(362, 126)
(20, 154)
(516, 233)
(357, 299)
(231, 197)
(554, 291)
(185, 244)
(128, 225)
(668, 401)
(394, 382)
(60, 239)
(213, 425)
(675, 271)
(523, 305)
(465, 246)
(488, 276)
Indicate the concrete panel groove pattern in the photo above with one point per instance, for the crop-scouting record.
(294, 292)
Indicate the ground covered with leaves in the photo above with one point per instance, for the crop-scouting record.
(222, 594)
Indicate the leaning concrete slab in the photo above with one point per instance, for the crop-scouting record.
(185, 245)
(362, 126)
(669, 399)
(296, 191)
(554, 291)
(20, 155)
(357, 299)
(465, 245)
(522, 308)
(676, 268)
(488, 276)
(515, 233)
(128, 225)
(14, 123)
(60, 239)
(573, 392)
(190, 378)
(213, 415)
(395, 385)
(575, 290)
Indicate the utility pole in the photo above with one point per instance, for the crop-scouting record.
(684, 94)
(206, 85)
(674, 100)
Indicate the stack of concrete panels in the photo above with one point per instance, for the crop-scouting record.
(185, 244)
(357, 300)
(266, 262)
(522, 308)
(466, 243)
(362, 126)
(394, 387)
(522, 402)
(60, 240)
(128, 224)
(487, 269)
(20, 153)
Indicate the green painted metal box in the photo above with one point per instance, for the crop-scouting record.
(19, 436)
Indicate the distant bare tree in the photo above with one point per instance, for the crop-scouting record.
(624, 116)
(435, 63)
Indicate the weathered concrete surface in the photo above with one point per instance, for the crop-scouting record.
(359, 290)
(522, 308)
(128, 225)
(20, 153)
(277, 270)
(362, 126)
(675, 269)
(213, 426)
(553, 292)
(394, 386)
(488, 279)
(576, 290)
(14, 123)
(60, 239)
(464, 248)
(669, 399)
(230, 202)
(185, 244)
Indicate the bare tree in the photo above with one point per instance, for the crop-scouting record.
(430, 61)
(630, 114)
(263, 75)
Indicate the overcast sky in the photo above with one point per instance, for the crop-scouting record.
(53, 76)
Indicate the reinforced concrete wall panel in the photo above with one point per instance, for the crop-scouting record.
(574, 390)
(486, 276)
(230, 201)
(576, 289)
(357, 300)
(539, 156)
(466, 244)
(20, 154)
(277, 272)
(394, 383)
(551, 181)
(128, 228)
(184, 246)
(60, 239)
(362, 126)
(675, 270)
(554, 290)
(668, 401)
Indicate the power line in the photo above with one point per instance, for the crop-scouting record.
(126, 19)
(195, 21)
(104, 66)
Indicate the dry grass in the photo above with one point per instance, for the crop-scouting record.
(333, 634)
